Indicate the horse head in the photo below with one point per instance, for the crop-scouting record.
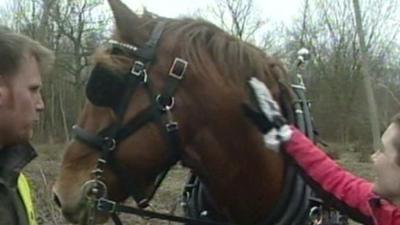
(167, 90)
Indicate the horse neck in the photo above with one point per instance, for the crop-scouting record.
(242, 176)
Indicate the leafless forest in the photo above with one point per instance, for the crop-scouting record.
(334, 75)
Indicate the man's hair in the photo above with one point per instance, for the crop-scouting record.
(15, 47)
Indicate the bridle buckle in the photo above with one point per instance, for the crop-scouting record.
(178, 68)
(105, 205)
(139, 70)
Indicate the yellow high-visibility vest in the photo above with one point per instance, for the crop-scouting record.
(25, 193)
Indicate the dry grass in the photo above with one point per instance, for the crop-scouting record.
(42, 172)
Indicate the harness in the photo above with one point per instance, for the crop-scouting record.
(119, 89)
(292, 207)
(298, 205)
(319, 213)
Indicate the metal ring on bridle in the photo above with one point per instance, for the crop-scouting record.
(165, 103)
(94, 188)
(315, 215)
(109, 143)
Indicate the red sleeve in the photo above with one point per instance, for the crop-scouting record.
(350, 190)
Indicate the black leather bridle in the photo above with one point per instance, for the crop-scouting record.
(107, 140)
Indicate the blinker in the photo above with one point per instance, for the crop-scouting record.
(104, 88)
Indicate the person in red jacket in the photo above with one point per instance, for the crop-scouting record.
(376, 203)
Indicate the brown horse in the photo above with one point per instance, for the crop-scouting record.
(217, 141)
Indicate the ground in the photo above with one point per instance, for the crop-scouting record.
(43, 170)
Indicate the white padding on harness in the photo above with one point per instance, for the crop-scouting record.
(270, 109)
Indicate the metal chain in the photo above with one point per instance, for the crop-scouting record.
(94, 189)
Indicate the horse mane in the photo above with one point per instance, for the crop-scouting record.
(208, 41)
(235, 60)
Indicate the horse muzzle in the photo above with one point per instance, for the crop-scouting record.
(84, 211)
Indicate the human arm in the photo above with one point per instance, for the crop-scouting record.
(337, 186)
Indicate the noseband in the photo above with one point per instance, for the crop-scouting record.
(107, 140)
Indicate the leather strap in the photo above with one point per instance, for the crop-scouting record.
(105, 205)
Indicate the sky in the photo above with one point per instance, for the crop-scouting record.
(278, 11)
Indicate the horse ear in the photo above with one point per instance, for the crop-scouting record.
(126, 21)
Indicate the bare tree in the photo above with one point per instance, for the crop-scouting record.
(72, 29)
(373, 114)
(334, 76)
(238, 17)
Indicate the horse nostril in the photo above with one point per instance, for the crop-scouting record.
(56, 200)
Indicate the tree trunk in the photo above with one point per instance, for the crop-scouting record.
(64, 119)
(372, 109)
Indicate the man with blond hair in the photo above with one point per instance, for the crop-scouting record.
(22, 61)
